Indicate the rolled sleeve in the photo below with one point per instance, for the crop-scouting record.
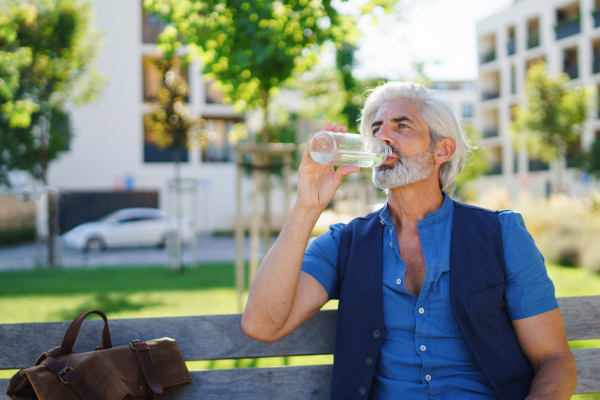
(320, 260)
(529, 290)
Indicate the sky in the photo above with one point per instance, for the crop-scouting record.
(440, 33)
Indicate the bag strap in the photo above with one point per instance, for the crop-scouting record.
(145, 360)
(70, 377)
(66, 346)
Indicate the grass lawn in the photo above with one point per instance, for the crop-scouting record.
(62, 294)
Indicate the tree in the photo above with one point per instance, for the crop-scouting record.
(552, 119)
(47, 54)
(589, 161)
(170, 122)
(250, 48)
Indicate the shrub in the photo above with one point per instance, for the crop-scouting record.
(565, 229)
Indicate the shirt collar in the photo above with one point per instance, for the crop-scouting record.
(431, 218)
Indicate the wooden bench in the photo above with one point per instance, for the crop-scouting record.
(221, 337)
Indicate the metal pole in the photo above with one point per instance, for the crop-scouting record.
(287, 162)
(239, 235)
(255, 226)
(194, 248)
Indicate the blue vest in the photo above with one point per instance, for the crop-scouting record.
(477, 288)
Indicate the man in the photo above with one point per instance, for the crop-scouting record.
(437, 299)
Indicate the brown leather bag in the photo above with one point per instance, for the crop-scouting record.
(154, 369)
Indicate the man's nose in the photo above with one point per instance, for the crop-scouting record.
(384, 133)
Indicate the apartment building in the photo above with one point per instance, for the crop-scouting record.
(462, 97)
(110, 150)
(565, 34)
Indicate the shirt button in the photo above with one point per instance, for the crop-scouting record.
(362, 391)
(398, 281)
(423, 348)
(369, 361)
(427, 377)
(376, 334)
(391, 245)
(421, 310)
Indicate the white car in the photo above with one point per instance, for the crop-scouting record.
(128, 227)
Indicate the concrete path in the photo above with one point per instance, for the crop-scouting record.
(210, 249)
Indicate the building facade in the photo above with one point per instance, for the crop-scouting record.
(110, 149)
(565, 34)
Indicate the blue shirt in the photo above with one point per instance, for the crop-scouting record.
(424, 355)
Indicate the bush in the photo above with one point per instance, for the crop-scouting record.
(565, 229)
(14, 236)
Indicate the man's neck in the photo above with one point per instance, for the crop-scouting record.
(410, 204)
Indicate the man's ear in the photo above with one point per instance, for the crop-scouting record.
(444, 149)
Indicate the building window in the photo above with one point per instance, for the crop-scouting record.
(513, 79)
(512, 42)
(490, 123)
(487, 44)
(152, 26)
(596, 51)
(596, 13)
(153, 78)
(467, 110)
(537, 165)
(152, 153)
(570, 63)
(533, 33)
(567, 21)
(217, 143)
(495, 160)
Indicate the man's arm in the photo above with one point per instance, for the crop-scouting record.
(544, 342)
(282, 297)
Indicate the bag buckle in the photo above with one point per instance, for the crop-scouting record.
(133, 342)
(63, 372)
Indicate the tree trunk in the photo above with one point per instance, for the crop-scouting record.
(266, 160)
(560, 186)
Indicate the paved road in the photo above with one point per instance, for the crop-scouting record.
(210, 249)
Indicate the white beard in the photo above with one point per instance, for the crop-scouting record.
(407, 170)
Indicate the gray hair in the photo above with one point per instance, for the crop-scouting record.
(436, 113)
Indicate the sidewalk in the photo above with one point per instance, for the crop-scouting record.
(210, 249)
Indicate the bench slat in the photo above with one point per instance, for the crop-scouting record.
(199, 338)
(313, 382)
(588, 370)
(581, 316)
(278, 383)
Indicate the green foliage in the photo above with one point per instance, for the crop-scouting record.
(477, 165)
(47, 54)
(250, 48)
(590, 161)
(554, 112)
(170, 122)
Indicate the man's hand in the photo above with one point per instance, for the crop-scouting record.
(544, 342)
(318, 183)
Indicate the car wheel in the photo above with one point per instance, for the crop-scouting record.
(95, 244)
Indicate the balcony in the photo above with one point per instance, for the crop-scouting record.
(567, 28)
(489, 95)
(488, 133)
(596, 15)
(596, 64)
(572, 71)
(512, 48)
(533, 41)
(489, 56)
